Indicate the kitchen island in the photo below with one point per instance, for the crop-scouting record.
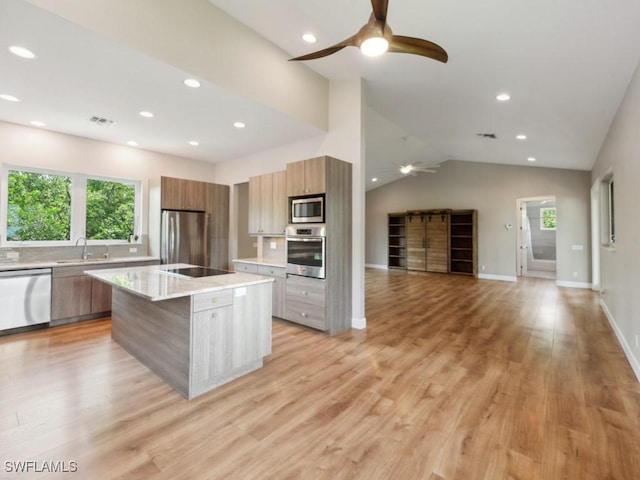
(194, 333)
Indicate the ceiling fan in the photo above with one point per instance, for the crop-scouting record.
(376, 37)
(415, 167)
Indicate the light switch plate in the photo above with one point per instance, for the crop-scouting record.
(577, 247)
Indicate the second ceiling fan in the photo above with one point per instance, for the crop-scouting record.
(376, 37)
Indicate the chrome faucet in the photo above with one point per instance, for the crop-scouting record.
(85, 254)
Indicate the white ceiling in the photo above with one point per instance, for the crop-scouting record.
(566, 65)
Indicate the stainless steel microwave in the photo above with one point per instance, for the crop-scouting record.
(308, 209)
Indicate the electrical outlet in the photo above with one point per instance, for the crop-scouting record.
(133, 249)
(273, 245)
(575, 274)
(482, 268)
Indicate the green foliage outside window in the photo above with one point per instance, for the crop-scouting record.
(39, 207)
(110, 210)
(548, 218)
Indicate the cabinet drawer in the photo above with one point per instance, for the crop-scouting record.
(206, 301)
(272, 271)
(306, 290)
(245, 267)
(306, 313)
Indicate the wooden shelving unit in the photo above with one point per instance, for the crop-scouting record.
(397, 253)
(463, 257)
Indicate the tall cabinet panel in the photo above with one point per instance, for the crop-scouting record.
(307, 177)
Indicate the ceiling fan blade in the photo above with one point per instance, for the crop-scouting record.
(418, 46)
(349, 42)
(380, 9)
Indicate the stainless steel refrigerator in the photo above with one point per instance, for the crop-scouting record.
(185, 238)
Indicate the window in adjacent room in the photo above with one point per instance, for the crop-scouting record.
(548, 218)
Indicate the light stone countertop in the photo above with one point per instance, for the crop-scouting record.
(154, 284)
(8, 266)
(270, 262)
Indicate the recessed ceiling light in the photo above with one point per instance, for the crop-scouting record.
(131, 143)
(503, 97)
(521, 136)
(38, 123)
(192, 82)
(146, 114)
(374, 179)
(194, 143)
(239, 124)
(309, 38)
(531, 159)
(22, 52)
(9, 98)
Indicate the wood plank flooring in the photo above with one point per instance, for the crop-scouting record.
(454, 378)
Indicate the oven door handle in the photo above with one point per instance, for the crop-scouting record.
(290, 239)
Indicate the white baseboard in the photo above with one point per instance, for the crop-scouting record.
(359, 323)
(562, 283)
(379, 267)
(633, 361)
(503, 278)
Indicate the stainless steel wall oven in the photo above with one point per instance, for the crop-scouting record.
(306, 250)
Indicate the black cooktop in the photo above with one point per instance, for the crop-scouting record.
(196, 272)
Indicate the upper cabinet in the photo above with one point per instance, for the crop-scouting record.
(181, 194)
(268, 204)
(307, 177)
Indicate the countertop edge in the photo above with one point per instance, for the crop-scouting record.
(7, 267)
(267, 262)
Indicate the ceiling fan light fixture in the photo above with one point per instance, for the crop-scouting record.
(404, 169)
(309, 38)
(374, 46)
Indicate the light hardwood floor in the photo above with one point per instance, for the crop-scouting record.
(454, 378)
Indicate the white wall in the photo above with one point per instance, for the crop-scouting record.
(492, 190)
(37, 148)
(620, 268)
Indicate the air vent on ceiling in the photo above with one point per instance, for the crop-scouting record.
(487, 135)
(105, 122)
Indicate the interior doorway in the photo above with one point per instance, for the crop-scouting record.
(537, 222)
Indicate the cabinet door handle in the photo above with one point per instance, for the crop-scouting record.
(214, 300)
(304, 315)
(214, 315)
(304, 293)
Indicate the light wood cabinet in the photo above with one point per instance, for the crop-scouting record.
(278, 289)
(268, 204)
(307, 177)
(306, 301)
(181, 194)
(427, 237)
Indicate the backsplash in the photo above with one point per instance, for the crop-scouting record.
(280, 250)
(45, 253)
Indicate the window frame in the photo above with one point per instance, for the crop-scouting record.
(78, 206)
(542, 227)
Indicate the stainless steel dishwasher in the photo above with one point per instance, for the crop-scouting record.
(25, 298)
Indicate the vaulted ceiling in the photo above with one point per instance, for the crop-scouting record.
(565, 65)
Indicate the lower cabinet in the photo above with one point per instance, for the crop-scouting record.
(76, 296)
(231, 333)
(277, 273)
(306, 301)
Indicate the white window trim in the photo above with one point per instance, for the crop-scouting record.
(78, 206)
